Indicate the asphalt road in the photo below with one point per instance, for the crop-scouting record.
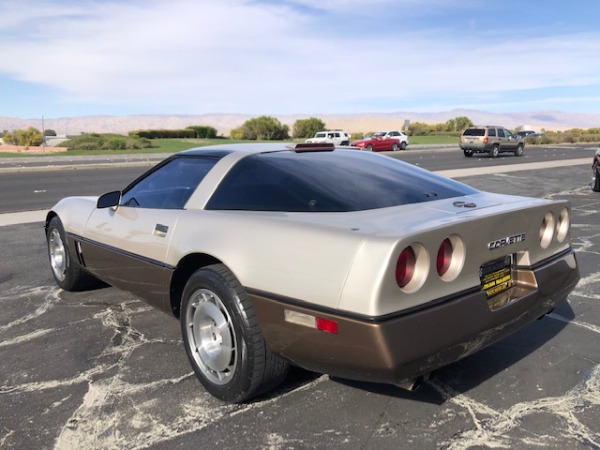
(101, 369)
(37, 183)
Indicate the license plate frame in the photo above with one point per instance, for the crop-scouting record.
(496, 276)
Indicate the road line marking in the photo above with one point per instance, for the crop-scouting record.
(24, 217)
(491, 170)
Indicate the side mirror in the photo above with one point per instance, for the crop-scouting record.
(109, 200)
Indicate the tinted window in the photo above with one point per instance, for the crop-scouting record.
(328, 182)
(170, 185)
(491, 132)
(500, 132)
(474, 132)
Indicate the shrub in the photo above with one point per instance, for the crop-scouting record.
(305, 128)
(97, 141)
(203, 131)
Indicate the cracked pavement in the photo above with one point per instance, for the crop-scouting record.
(102, 370)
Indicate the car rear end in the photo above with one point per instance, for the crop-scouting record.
(474, 139)
(480, 269)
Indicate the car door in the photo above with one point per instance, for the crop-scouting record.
(511, 140)
(380, 143)
(127, 245)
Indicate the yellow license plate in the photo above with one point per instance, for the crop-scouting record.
(496, 276)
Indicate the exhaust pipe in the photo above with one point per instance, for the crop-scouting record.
(412, 384)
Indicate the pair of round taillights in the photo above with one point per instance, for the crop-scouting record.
(413, 263)
(412, 267)
(552, 227)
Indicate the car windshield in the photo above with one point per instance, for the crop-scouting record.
(474, 132)
(343, 180)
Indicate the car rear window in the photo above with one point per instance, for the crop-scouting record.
(474, 132)
(343, 180)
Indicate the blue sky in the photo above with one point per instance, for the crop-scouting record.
(74, 58)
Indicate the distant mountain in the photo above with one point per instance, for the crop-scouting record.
(359, 122)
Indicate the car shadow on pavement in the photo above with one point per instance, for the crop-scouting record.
(468, 373)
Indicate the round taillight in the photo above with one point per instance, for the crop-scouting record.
(562, 227)
(547, 230)
(405, 267)
(444, 257)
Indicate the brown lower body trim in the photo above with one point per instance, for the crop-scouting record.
(407, 346)
(125, 271)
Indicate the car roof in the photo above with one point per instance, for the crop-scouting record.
(224, 149)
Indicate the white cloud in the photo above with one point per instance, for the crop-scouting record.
(243, 56)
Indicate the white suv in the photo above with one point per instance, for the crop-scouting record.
(337, 137)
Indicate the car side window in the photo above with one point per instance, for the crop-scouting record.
(501, 132)
(170, 185)
(492, 132)
(508, 134)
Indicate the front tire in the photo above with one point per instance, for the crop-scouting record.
(223, 340)
(68, 274)
(369, 148)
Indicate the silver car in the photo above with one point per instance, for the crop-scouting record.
(341, 262)
(490, 139)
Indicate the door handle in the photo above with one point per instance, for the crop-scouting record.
(160, 230)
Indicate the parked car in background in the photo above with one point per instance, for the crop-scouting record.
(534, 137)
(336, 137)
(490, 139)
(524, 134)
(383, 141)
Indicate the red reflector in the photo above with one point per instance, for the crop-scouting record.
(444, 257)
(405, 267)
(330, 326)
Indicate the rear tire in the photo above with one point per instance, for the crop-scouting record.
(403, 145)
(223, 340)
(68, 274)
(395, 147)
(495, 151)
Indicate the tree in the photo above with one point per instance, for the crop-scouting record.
(459, 123)
(305, 128)
(49, 132)
(263, 128)
(462, 123)
(29, 137)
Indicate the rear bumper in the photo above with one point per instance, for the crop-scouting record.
(407, 346)
(475, 148)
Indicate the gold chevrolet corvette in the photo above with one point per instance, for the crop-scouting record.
(335, 260)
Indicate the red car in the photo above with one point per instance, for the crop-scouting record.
(383, 141)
